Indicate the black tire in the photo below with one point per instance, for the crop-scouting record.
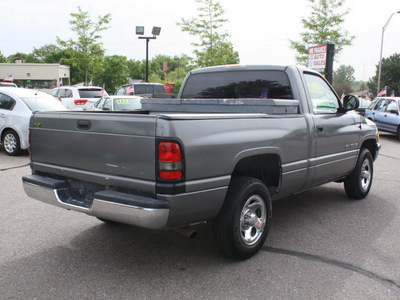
(358, 183)
(242, 225)
(398, 133)
(11, 143)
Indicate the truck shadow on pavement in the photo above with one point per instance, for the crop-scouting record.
(318, 225)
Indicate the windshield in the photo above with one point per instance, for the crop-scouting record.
(43, 103)
(127, 103)
(91, 93)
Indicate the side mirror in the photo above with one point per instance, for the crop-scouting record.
(350, 102)
(393, 111)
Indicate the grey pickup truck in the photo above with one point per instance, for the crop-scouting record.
(236, 138)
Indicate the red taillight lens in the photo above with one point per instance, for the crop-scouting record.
(171, 175)
(80, 101)
(169, 152)
(170, 161)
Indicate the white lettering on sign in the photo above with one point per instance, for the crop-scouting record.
(317, 57)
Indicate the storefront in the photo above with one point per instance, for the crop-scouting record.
(36, 76)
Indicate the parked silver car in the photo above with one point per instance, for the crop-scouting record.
(16, 107)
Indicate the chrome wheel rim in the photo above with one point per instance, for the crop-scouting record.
(252, 220)
(366, 174)
(10, 142)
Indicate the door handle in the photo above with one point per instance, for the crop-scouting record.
(83, 124)
(320, 129)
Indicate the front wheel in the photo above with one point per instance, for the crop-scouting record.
(358, 183)
(11, 144)
(242, 225)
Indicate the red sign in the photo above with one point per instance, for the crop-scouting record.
(317, 57)
(165, 66)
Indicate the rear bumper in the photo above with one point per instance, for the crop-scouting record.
(125, 208)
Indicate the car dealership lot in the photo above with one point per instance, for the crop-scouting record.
(321, 246)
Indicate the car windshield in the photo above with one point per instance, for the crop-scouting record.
(127, 103)
(90, 93)
(43, 103)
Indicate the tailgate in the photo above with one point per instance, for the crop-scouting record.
(105, 148)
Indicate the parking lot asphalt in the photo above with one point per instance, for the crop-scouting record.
(322, 245)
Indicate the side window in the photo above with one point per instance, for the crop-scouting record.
(381, 106)
(100, 103)
(61, 93)
(68, 93)
(108, 104)
(6, 102)
(392, 106)
(372, 105)
(54, 93)
(324, 100)
(121, 91)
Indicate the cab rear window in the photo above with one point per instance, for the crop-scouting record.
(238, 84)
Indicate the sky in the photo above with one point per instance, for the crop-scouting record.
(259, 30)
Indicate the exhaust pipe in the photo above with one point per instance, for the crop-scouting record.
(187, 232)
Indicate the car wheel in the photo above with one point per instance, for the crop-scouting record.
(11, 144)
(242, 225)
(358, 183)
(398, 133)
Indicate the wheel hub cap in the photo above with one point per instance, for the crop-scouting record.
(252, 220)
(365, 175)
(10, 143)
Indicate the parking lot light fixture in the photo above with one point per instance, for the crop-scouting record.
(380, 59)
(140, 31)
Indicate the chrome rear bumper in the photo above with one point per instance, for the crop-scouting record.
(125, 208)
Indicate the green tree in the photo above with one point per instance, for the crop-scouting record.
(343, 79)
(86, 53)
(136, 69)
(115, 73)
(29, 58)
(3, 59)
(49, 53)
(322, 27)
(390, 75)
(213, 48)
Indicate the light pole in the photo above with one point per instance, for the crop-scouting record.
(140, 31)
(380, 59)
(177, 58)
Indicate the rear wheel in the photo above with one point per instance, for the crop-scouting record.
(398, 133)
(11, 144)
(242, 225)
(358, 183)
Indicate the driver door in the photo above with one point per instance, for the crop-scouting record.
(335, 133)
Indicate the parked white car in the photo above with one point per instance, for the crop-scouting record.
(16, 107)
(78, 97)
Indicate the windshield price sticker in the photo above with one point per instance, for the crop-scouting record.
(122, 101)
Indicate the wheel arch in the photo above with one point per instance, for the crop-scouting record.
(370, 144)
(266, 167)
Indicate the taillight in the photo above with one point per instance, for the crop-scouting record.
(170, 161)
(80, 101)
